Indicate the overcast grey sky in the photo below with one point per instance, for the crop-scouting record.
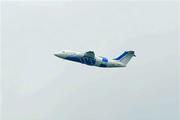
(39, 86)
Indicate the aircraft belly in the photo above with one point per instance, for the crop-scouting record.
(100, 63)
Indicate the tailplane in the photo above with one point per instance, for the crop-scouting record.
(125, 57)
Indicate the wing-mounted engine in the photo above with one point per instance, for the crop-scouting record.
(89, 54)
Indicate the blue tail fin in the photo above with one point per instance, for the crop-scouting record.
(125, 57)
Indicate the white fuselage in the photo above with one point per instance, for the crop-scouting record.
(96, 61)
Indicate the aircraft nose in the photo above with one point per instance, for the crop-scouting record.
(60, 55)
(56, 55)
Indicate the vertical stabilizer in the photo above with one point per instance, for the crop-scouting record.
(125, 57)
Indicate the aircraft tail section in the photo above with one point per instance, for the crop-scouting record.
(125, 57)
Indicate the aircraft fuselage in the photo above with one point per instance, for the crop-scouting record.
(88, 60)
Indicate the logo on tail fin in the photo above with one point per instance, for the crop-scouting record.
(125, 57)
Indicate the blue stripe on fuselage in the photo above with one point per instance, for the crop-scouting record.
(121, 56)
(73, 58)
(83, 60)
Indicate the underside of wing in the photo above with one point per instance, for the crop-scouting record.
(89, 54)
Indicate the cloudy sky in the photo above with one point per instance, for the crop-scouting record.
(39, 86)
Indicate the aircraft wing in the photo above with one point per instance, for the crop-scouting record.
(89, 54)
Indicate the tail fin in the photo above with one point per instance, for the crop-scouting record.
(125, 57)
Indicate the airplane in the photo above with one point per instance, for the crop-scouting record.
(89, 58)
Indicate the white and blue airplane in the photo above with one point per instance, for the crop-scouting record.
(89, 58)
